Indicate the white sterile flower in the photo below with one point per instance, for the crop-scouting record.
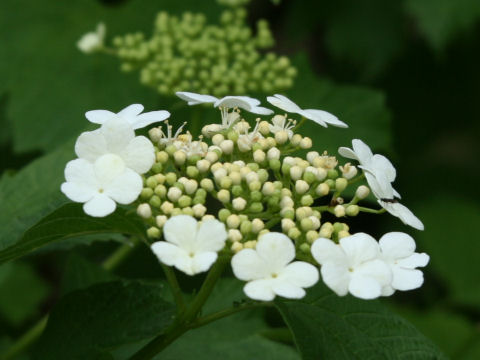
(117, 136)
(93, 41)
(195, 99)
(352, 266)
(190, 246)
(402, 212)
(100, 184)
(398, 251)
(280, 123)
(244, 102)
(319, 116)
(270, 271)
(131, 113)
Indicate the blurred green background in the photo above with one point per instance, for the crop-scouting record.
(404, 74)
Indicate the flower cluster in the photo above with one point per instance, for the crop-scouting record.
(186, 53)
(239, 192)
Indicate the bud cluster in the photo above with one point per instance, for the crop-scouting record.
(187, 54)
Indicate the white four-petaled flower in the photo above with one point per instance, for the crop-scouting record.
(132, 114)
(397, 250)
(321, 117)
(190, 246)
(380, 173)
(100, 184)
(353, 266)
(116, 136)
(270, 271)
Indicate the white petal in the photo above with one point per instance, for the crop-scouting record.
(260, 290)
(139, 154)
(363, 152)
(327, 117)
(381, 164)
(248, 265)
(287, 290)
(276, 249)
(299, 273)
(99, 116)
(347, 152)
(381, 188)
(107, 168)
(99, 206)
(375, 269)
(131, 111)
(406, 279)
(148, 118)
(172, 255)
(195, 99)
(211, 236)
(387, 290)
(235, 101)
(325, 250)
(313, 117)
(414, 260)
(81, 171)
(336, 276)
(284, 103)
(125, 188)
(403, 213)
(203, 261)
(117, 133)
(91, 145)
(181, 230)
(359, 248)
(396, 245)
(364, 287)
(261, 110)
(77, 192)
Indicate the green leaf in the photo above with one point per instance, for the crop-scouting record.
(326, 326)
(71, 221)
(449, 238)
(23, 291)
(88, 323)
(441, 21)
(363, 109)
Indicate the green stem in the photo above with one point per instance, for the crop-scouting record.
(183, 323)
(299, 125)
(32, 335)
(175, 287)
(371, 211)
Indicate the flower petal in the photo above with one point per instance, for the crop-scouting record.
(77, 192)
(125, 188)
(107, 168)
(194, 98)
(348, 153)
(313, 117)
(99, 116)
(243, 102)
(396, 245)
(414, 260)
(139, 154)
(381, 164)
(376, 269)
(359, 248)
(91, 145)
(299, 273)
(406, 279)
(261, 110)
(131, 111)
(260, 290)
(336, 276)
(211, 236)
(287, 290)
(364, 287)
(248, 265)
(284, 103)
(325, 250)
(403, 213)
(276, 249)
(203, 261)
(172, 255)
(148, 118)
(117, 133)
(99, 206)
(326, 117)
(181, 230)
(362, 151)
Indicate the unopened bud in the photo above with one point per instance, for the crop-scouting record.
(174, 194)
(301, 187)
(144, 211)
(273, 154)
(362, 192)
(217, 139)
(203, 165)
(167, 207)
(207, 184)
(234, 235)
(251, 244)
(341, 184)
(199, 210)
(239, 203)
(257, 225)
(348, 171)
(339, 211)
(322, 189)
(306, 143)
(226, 146)
(160, 220)
(233, 221)
(153, 232)
(236, 247)
(223, 196)
(352, 210)
(311, 236)
(296, 172)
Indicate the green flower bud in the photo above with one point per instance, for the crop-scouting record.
(246, 227)
(171, 149)
(176, 211)
(330, 183)
(151, 182)
(255, 186)
(311, 236)
(223, 214)
(226, 182)
(157, 168)
(184, 201)
(154, 232)
(188, 211)
(207, 184)
(253, 166)
(341, 184)
(306, 200)
(262, 175)
(305, 248)
(192, 160)
(146, 193)
(309, 177)
(275, 164)
(306, 224)
(256, 207)
(294, 233)
(237, 190)
(171, 178)
(155, 201)
(352, 210)
(223, 196)
(332, 174)
(256, 196)
(232, 135)
(192, 171)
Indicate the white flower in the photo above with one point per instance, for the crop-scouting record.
(269, 270)
(131, 113)
(92, 41)
(319, 116)
(190, 246)
(99, 185)
(116, 136)
(398, 251)
(352, 266)
(169, 138)
(227, 102)
(402, 212)
(280, 123)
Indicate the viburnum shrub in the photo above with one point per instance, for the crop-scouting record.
(243, 194)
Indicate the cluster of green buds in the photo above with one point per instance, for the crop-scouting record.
(185, 53)
(246, 177)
